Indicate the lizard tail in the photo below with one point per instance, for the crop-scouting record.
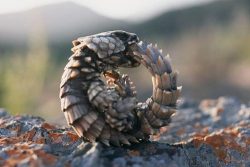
(162, 104)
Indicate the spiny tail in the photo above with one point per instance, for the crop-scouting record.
(162, 104)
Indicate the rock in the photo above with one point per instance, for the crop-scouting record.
(212, 133)
(3, 112)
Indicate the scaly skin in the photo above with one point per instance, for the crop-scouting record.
(110, 113)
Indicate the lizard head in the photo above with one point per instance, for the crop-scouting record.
(127, 43)
(114, 48)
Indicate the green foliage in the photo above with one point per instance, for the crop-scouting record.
(2, 71)
(23, 76)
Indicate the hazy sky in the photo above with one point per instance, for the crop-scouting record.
(119, 9)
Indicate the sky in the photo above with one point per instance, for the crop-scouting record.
(117, 9)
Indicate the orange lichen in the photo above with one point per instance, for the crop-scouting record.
(73, 137)
(23, 146)
(48, 159)
(133, 153)
(247, 141)
(181, 131)
(56, 137)
(24, 151)
(215, 140)
(222, 141)
(29, 135)
(48, 126)
(219, 110)
(41, 141)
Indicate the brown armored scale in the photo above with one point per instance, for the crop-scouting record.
(110, 112)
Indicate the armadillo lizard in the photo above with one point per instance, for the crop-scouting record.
(110, 112)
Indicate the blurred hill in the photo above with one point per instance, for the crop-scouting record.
(60, 21)
(220, 12)
(209, 45)
(66, 21)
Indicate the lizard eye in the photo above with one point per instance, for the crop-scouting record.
(126, 37)
(132, 39)
(122, 36)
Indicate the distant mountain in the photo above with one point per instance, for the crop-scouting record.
(170, 24)
(66, 21)
(59, 21)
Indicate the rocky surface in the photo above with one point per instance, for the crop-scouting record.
(208, 134)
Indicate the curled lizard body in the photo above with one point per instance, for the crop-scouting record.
(110, 113)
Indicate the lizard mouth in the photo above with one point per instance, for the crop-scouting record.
(134, 60)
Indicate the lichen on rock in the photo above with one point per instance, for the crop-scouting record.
(210, 133)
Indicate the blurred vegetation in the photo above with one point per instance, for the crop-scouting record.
(23, 76)
(209, 46)
(215, 60)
